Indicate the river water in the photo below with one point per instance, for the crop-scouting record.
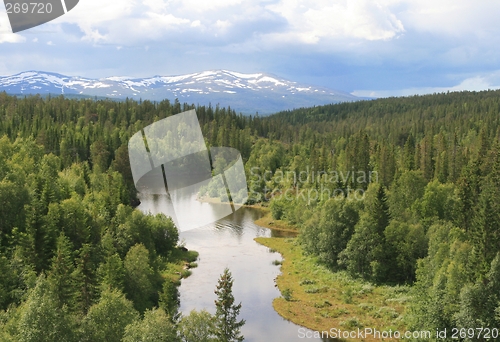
(229, 242)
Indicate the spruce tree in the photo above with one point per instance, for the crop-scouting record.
(409, 153)
(60, 277)
(227, 328)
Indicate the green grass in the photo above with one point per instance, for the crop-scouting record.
(268, 222)
(315, 297)
(178, 264)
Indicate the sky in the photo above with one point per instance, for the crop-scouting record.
(367, 48)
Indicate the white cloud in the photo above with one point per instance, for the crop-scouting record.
(155, 5)
(6, 35)
(312, 20)
(123, 22)
(131, 22)
(452, 17)
(200, 6)
(222, 24)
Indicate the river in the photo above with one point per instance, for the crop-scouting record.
(229, 242)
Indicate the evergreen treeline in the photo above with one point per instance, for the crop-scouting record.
(419, 177)
(74, 258)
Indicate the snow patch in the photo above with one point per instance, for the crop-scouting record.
(240, 75)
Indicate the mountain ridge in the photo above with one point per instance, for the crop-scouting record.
(247, 93)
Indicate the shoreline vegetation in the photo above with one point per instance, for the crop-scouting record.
(179, 264)
(319, 299)
(267, 221)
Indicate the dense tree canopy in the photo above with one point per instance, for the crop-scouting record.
(397, 190)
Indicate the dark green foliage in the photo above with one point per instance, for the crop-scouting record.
(13, 197)
(277, 210)
(439, 202)
(139, 278)
(441, 276)
(111, 273)
(107, 319)
(197, 327)
(431, 218)
(407, 189)
(154, 327)
(479, 301)
(65, 217)
(169, 299)
(329, 236)
(468, 194)
(406, 244)
(6, 281)
(227, 326)
(85, 281)
(367, 251)
(364, 253)
(60, 276)
(41, 318)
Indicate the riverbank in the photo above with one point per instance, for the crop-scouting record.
(179, 265)
(318, 299)
(267, 221)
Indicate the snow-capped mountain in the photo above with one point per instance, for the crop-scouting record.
(246, 93)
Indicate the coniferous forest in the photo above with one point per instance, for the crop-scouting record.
(397, 191)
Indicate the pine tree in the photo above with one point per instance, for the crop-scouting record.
(441, 158)
(427, 157)
(409, 153)
(366, 253)
(468, 192)
(378, 208)
(84, 278)
(60, 275)
(485, 234)
(227, 328)
(169, 299)
(41, 319)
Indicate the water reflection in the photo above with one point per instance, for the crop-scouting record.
(230, 243)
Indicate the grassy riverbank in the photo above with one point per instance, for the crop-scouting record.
(179, 264)
(315, 297)
(268, 221)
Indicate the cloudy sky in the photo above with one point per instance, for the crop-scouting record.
(369, 48)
